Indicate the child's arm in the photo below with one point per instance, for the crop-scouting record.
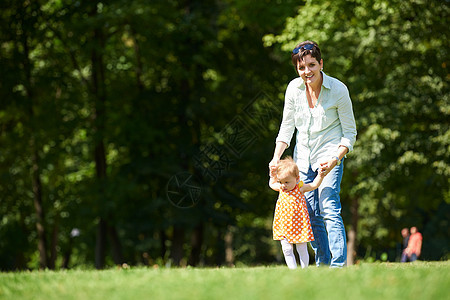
(274, 184)
(313, 185)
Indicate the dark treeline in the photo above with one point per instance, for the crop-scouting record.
(139, 132)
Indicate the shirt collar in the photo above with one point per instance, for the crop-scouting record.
(326, 83)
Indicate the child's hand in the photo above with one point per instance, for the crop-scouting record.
(322, 172)
(273, 172)
(273, 167)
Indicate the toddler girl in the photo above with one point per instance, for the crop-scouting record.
(291, 223)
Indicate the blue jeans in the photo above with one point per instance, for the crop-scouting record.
(324, 208)
(406, 258)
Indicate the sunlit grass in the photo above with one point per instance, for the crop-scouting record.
(420, 280)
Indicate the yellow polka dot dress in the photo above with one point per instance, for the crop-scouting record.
(291, 220)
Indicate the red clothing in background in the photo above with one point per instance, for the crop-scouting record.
(415, 244)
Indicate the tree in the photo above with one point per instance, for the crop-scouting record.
(111, 102)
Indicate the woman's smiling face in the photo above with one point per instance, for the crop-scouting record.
(309, 69)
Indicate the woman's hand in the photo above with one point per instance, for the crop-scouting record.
(321, 173)
(279, 149)
(327, 166)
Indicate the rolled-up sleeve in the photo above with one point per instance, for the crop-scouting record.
(287, 126)
(347, 119)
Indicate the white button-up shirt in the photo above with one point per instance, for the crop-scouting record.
(322, 129)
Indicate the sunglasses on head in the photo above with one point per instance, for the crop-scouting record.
(304, 47)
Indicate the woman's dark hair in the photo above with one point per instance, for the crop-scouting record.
(303, 49)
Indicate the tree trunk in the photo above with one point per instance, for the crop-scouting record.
(35, 168)
(20, 262)
(351, 241)
(139, 65)
(220, 248)
(351, 246)
(163, 239)
(100, 158)
(54, 245)
(229, 258)
(40, 215)
(67, 255)
(100, 246)
(99, 96)
(116, 247)
(196, 243)
(176, 252)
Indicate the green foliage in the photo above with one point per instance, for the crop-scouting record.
(155, 82)
(161, 83)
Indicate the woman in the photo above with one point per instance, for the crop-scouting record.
(320, 108)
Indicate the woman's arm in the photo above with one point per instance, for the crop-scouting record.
(346, 118)
(287, 126)
(327, 166)
(279, 149)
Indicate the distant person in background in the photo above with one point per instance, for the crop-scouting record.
(405, 235)
(413, 250)
(404, 244)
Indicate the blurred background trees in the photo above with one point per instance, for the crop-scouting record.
(139, 132)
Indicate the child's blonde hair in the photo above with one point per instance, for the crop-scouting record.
(287, 167)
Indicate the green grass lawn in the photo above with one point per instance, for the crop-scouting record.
(420, 280)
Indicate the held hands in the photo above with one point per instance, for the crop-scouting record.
(273, 167)
(321, 173)
(327, 166)
(274, 185)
